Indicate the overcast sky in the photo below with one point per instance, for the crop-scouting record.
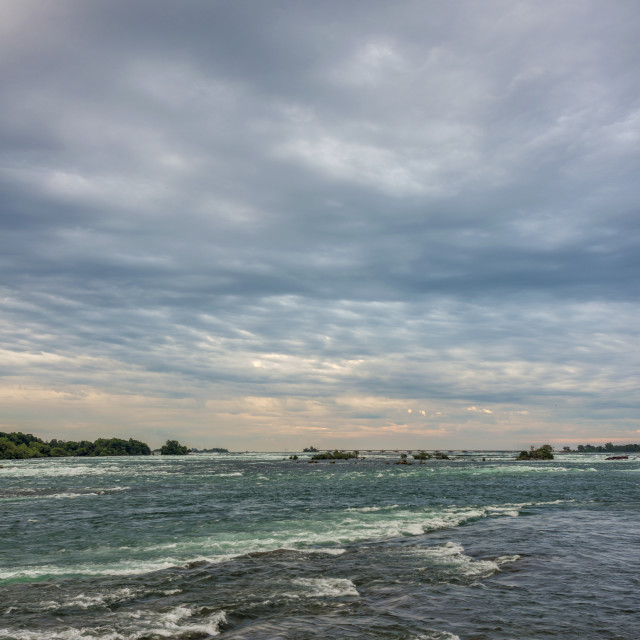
(270, 224)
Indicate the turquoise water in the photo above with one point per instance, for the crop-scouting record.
(257, 546)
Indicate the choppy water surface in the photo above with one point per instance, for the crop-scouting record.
(257, 546)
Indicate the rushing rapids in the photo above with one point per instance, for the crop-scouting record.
(258, 546)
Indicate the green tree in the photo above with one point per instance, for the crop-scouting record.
(42, 449)
(137, 448)
(173, 448)
(7, 449)
(23, 451)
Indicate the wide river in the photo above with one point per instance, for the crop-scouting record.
(258, 546)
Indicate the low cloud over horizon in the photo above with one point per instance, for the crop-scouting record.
(266, 225)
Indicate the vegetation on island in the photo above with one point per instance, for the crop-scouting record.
(608, 448)
(173, 448)
(212, 450)
(336, 455)
(423, 455)
(542, 453)
(18, 445)
(310, 449)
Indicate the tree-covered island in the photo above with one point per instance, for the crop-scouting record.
(542, 453)
(18, 446)
(173, 448)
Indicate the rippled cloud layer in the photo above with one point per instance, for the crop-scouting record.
(274, 224)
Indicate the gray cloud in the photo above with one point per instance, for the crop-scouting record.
(245, 220)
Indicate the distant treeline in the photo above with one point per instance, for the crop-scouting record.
(213, 450)
(20, 445)
(608, 447)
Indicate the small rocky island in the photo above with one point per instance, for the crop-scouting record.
(423, 455)
(542, 453)
(336, 455)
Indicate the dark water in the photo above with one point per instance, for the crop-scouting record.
(255, 546)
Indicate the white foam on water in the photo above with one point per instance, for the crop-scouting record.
(507, 559)
(123, 568)
(543, 468)
(71, 633)
(61, 470)
(314, 536)
(326, 587)
(504, 511)
(451, 558)
(434, 634)
(176, 622)
(319, 535)
(513, 509)
(371, 509)
(441, 551)
(58, 496)
(402, 522)
(331, 552)
(82, 601)
(78, 494)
